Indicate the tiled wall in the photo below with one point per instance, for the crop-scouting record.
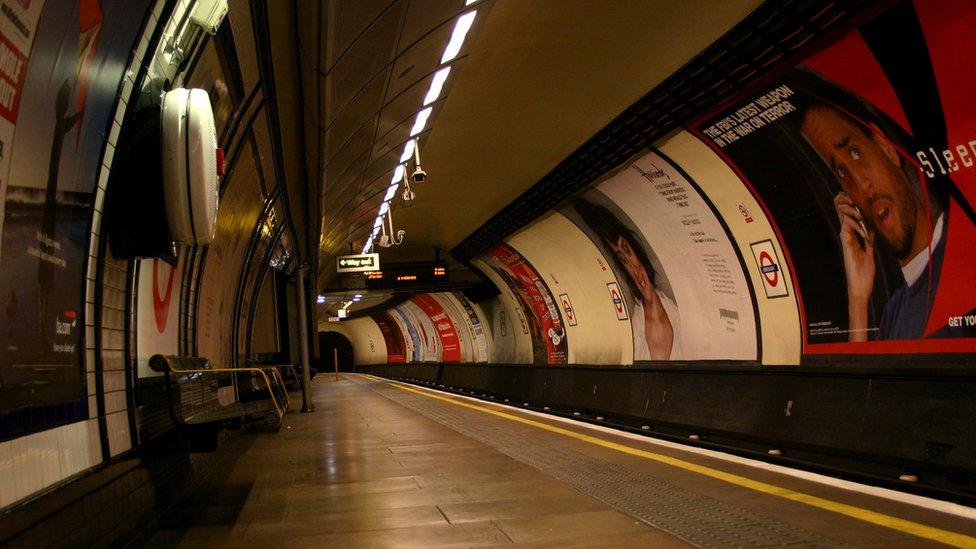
(32, 463)
(81, 484)
(114, 356)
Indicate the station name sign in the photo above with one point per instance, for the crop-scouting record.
(359, 263)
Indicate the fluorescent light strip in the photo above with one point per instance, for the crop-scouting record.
(407, 153)
(398, 174)
(421, 122)
(460, 32)
(461, 29)
(436, 85)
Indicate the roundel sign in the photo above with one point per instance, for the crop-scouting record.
(770, 269)
(618, 300)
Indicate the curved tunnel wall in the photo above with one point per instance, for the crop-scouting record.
(79, 407)
(811, 249)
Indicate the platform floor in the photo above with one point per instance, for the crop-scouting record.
(382, 464)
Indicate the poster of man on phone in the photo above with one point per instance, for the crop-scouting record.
(864, 156)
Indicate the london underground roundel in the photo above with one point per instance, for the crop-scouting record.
(191, 161)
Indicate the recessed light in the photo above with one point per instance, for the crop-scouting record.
(461, 29)
(407, 151)
(420, 123)
(436, 85)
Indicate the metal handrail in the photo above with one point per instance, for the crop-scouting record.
(276, 373)
(267, 382)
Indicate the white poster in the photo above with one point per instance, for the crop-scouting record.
(680, 278)
(158, 311)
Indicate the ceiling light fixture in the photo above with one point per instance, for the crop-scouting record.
(420, 123)
(436, 85)
(461, 29)
(412, 147)
(407, 151)
(397, 174)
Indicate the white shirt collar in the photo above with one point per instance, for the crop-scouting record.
(913, 270)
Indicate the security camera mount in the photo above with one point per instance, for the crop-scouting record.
(419, 175)
(408, 194)
(387, 237)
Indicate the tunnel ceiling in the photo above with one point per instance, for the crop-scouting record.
(534, 81)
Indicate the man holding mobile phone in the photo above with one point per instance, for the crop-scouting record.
(878, 201)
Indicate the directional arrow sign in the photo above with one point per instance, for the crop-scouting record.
(357, 263)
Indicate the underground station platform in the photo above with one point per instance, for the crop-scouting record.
(388, 464)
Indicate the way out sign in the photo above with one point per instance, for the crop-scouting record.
(359, 263)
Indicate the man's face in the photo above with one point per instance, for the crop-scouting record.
(869, 171)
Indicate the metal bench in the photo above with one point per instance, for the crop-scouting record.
(203, 398)
(290, 373)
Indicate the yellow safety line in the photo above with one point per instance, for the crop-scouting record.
(929, 532)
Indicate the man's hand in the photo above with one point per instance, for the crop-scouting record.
(858, 245)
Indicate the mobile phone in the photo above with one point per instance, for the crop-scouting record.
(860, 221)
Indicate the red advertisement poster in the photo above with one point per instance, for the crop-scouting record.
(864, 157)
(450, 344)
(395, 352)
(12, 69)
(549, 345)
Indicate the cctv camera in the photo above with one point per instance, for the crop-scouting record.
(408, 196)
(419, 175)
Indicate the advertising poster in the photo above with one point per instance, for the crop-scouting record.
(652, 224)
(395, 352)
(60, 72)
(576, 272)
(864, 157)
(510, 339)
(411, 340)
(429, 342)
(18, 26)
(477, 328)
(159, 296)
(464, 329)
(450, 343)
(549, 342)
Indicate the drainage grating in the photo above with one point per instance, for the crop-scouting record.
(695, 518)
